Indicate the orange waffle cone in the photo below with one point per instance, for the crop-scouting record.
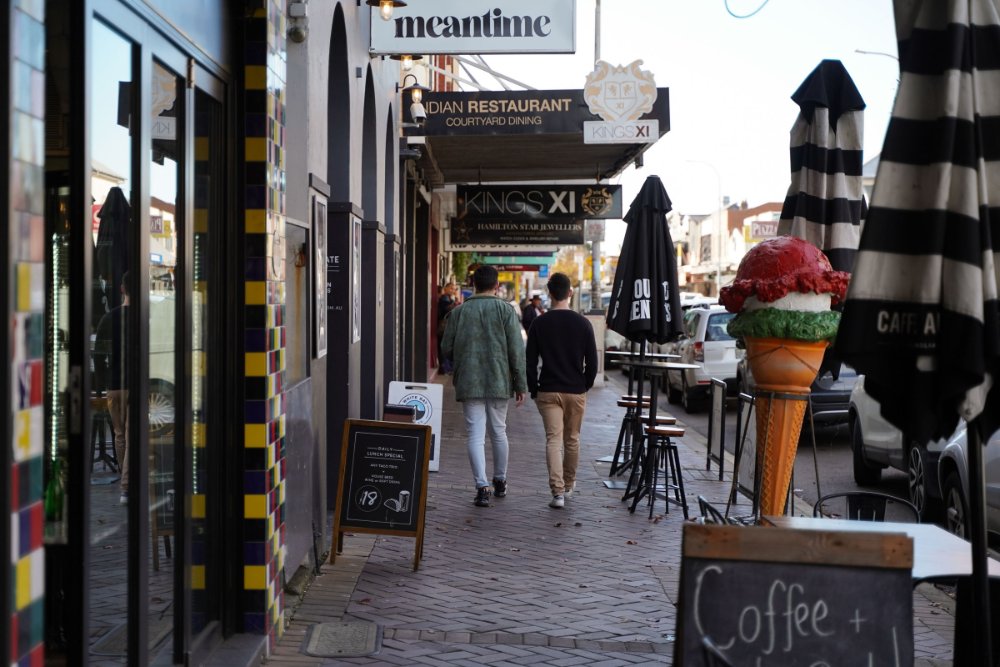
(784, 366)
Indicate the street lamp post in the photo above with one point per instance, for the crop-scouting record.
(721, 223)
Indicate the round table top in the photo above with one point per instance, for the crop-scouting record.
(648, 355)
(659, 365)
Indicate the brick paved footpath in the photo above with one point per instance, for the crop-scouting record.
(519, 583)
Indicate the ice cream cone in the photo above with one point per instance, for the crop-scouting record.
(785, 366)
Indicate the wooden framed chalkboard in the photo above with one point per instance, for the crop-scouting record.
(775, 596)
(383, 481)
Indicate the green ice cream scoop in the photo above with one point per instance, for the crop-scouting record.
(775, 323)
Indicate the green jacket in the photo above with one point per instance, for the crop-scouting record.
(483, 340)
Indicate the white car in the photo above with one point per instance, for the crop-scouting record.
(953, 475)
(876, 444)
(707, 344)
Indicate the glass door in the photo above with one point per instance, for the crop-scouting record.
(135, 219)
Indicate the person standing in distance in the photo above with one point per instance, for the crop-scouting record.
(531, 311)
(483, 340)
(563, 340)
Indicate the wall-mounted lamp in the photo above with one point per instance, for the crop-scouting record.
(416, 91)
(405, 60)
(385, 7)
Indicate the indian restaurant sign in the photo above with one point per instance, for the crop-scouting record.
(476, 26)
(506, 112)
(539, 202)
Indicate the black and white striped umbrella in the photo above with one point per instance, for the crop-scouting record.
(825, 200)
(922, 319)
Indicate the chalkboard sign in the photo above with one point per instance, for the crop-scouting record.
(383, 481)
(775, 596)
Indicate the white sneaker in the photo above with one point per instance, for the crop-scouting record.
(123, 500)
(570, 491)
(557, 502)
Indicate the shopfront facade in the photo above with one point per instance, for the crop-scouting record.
(181, 179)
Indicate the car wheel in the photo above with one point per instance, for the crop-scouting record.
(673, 394)
(865, 473)
(161, 407)
(916, 477)
(955, 511)
(688, 399)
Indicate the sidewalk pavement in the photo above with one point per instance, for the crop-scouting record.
(519, 583)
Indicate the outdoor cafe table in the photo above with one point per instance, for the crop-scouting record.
(938, 555)
(653, 370)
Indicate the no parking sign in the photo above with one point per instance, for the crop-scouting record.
(426, 399)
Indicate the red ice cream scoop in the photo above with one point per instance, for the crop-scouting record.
(775, 267)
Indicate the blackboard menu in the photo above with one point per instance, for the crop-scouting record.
(383, 480)
(775, 596)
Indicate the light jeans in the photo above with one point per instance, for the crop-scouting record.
(562, 416)
(482, 415)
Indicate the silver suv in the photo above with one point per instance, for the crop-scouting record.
(953, 473)
(708, 345)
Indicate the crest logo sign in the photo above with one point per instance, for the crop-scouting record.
(620, 95)
(596, 201)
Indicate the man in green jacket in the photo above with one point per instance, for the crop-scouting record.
(483, 340)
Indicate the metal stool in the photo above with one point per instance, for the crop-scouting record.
(663, 452)
(623, 447)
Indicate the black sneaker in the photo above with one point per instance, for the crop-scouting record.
(483, 496)
(499, 487)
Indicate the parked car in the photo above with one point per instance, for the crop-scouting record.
(830, 394)
(707, 344)
(953, 476)
(876, 444)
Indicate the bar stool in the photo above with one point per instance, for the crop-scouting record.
(623, 447)
(102, 435)
(663, 452)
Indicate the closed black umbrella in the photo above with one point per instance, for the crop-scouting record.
(922, 320)
(645, 302)
(825, 200)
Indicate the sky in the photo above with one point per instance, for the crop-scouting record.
(730, 82)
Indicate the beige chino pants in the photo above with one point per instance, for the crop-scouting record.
(562, 415)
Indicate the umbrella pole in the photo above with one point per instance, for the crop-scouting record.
(980, 593)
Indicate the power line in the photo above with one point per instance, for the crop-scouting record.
(745, 16)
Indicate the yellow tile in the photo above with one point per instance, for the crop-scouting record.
(256, 293)
(255, 221)
(22, 577)
(198, 506)
(201, 221)
(254, 506)
(198, 577)
(254, 577)
(256, 77)
(256, 149)
(198, 436)
(201, 146)
(255, 435)
(256, 364)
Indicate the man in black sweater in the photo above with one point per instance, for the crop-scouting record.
(563, 340)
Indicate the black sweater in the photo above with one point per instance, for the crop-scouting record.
(564, 342)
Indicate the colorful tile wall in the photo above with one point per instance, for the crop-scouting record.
(264, 271)
(27, 278)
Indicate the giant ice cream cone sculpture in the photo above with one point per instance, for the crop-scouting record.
(783, 292)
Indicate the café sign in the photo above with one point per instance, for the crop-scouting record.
(518, 232)
(539, 202)
(477, 26)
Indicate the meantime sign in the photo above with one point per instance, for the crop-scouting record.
(537, 202)
(477, 26)
(561, 232)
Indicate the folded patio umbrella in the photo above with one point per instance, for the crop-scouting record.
(922, 319)
(645, 300)
(825, 201)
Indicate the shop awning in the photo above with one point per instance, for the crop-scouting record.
(529, 135)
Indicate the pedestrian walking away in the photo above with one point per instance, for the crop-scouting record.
(483, 340)
(531, 311)
(563, 341)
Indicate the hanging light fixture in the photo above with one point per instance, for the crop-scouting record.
(385, 7)
(416, 92)
(405, 60)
